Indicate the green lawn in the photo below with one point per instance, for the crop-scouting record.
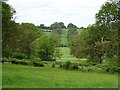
(18, 76)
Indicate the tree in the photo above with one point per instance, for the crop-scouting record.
(62, 25)
(42, 26)
(30, 34)
(108, 19)
(7, 27)
(99, 40)
(72, 30)
(56, 28)
(46, 48)
(78, 44)
(70, 25)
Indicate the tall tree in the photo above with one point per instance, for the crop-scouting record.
(56, 28)
(62, 25)
(7, 27)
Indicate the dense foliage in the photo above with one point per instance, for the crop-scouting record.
(100, 40)
(97, 43)
(16, 36)
(46, 47)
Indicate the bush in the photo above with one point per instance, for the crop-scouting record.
(73, 66)
(58, 62)
(36, 59)
(38, 64)
(53, 65)
(60, 65)
(22, 62)
(19, 55)
(6, 59)
(66, 65)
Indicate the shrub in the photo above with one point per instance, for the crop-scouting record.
(73, 66)
(36, 59)
(25, 62)
(53, 65)
(38, 64)
(66, 65)
(58, 62)
(19, 55)
(60, 65)
(22, 62)
(6, 59)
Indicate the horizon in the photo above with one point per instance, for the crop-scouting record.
(80, 13)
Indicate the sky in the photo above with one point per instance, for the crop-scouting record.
(79, 12)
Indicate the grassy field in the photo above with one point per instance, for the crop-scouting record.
(66, 55)
(79, 30)
(64, 36)
(18, 76)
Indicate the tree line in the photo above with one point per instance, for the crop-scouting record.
(100, 41)
(26, 40)
(97, 42)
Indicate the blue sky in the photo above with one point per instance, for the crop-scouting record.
(79, 12)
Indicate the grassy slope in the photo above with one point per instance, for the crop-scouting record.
(64, 37)
(18, 76)
(65, 50)
(66, 54)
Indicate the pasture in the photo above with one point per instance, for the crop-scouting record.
(19, 76)
(65, 51)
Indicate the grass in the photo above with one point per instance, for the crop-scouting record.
(66, 55)
(79, 30)
(18, 76)
(47, 33)
(64, 40)
(0, 75)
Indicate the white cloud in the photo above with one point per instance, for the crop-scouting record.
(79, 12)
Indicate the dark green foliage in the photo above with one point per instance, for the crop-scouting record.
(19, 55)
(66, 65)
(62, 25)
(74, 66)
(60, 65)
(70, 25)
(72, 32)
(42, 26)
(53, 65)
(15, 35)
(56, 28)
(100, 40)
(38, 64)
(22, 62)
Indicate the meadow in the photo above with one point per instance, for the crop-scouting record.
(19, 76)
